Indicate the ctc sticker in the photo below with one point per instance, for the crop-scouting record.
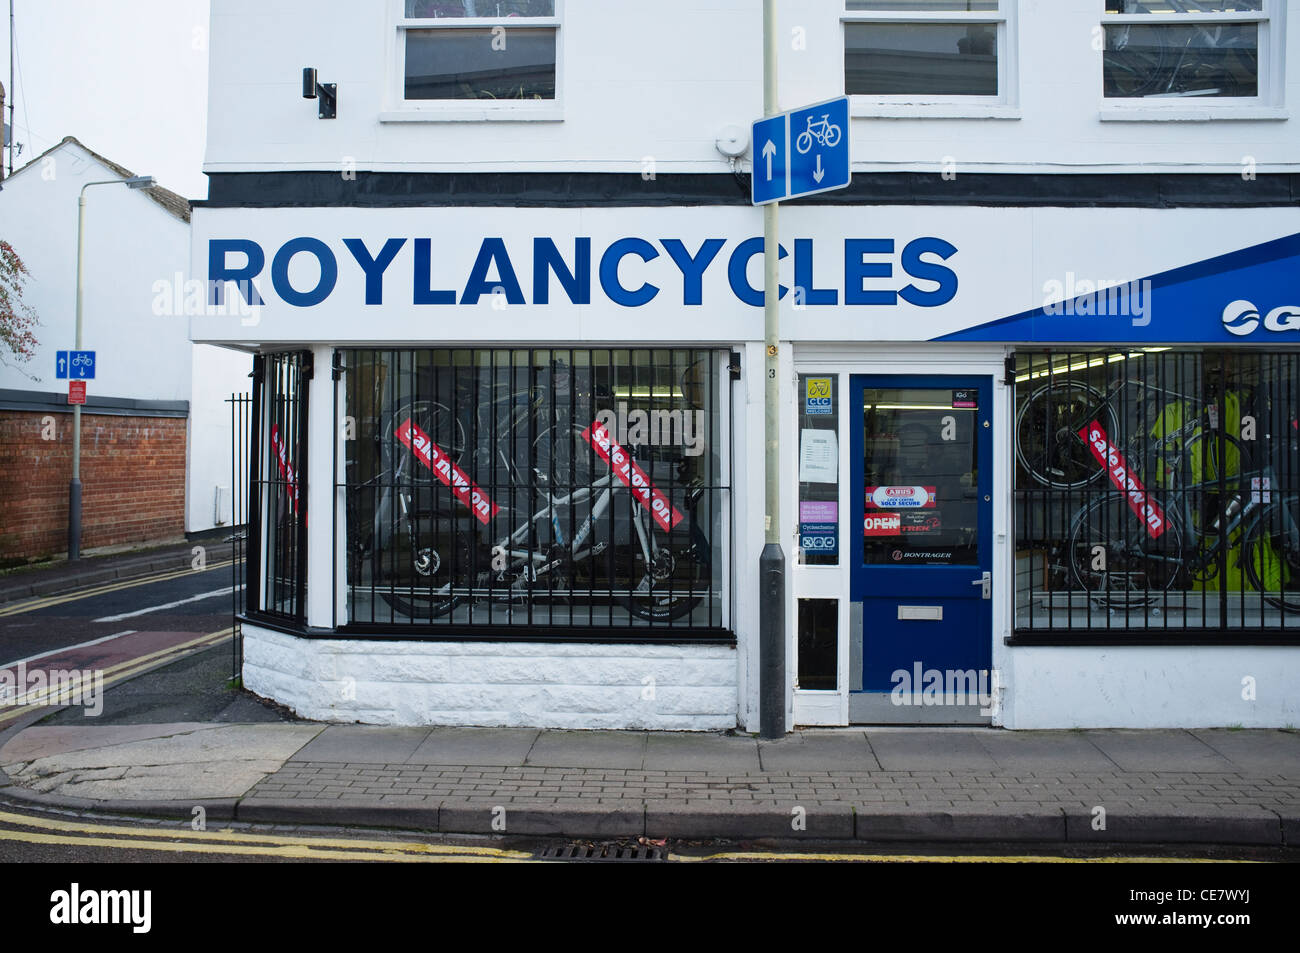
(817, 395)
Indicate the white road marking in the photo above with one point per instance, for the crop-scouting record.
(168, 605)
(66, 648)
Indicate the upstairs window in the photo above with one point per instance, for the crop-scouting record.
(485, 50)
(1207, 49)
(926, 50)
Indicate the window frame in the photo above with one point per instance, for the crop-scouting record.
(400, 109)
(1005, 105)
(1270, 23)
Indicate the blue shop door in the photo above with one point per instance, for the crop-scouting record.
(921, 491)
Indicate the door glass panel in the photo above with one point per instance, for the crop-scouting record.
(920, 451)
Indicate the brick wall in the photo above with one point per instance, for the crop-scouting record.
(132, 475)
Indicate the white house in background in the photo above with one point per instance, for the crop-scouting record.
(156, 432)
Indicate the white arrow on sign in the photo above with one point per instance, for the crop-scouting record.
(818, 173)
(769, 150)
(60, 365)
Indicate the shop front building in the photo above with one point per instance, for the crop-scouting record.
(1038, 429)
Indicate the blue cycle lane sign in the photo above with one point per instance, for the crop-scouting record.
(801, 152)
(74, 365)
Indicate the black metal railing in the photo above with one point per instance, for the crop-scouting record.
(534, 489)
(277, 538)
(1157, 494)
(241, 411)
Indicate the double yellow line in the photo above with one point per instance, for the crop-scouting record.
(112, 675)
(48, 831)
(32, 605)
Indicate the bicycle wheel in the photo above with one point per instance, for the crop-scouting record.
(832, 136)
(803, 142)
(1133, 70)
(1272, 555)
(1208, 472)
(1048, 445)
(436, 421)
(1115, 558)
(665, 589)
(423, 561)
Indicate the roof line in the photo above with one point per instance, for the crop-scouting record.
(171, 201)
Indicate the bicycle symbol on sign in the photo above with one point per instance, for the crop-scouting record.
(823, 130)
(81, 360)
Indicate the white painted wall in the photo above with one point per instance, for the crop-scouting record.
(661, 81)
(534, 684)
(131, 242)
(218, 373)
(1152, 687)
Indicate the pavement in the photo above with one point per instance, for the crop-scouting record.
(916, 785)
(183, 736)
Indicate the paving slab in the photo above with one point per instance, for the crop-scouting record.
(363, 744)
(589, 820)
(1178, 823)
(1256, 751)
(495, 747)
(216, 762)
(45, 740)
(831, 751)
(1044, 751)
(920, 750)
(338, 812)
(589, 749)
(716, 753)
(1162, 750)
(745, 821)
(894, 822)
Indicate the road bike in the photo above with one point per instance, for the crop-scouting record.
(823, 130)
(551, 528)
(1052, 449)
(1127, 552)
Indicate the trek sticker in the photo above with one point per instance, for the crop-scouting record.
(819, 537)
(817, 395)
(920, 522)
(1259, 490)
(966, 399)
(1147, 509)
(900, 497)
(884, 525)
(633, 477)
(433, 457)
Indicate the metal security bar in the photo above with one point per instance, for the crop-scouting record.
(241, 408)
(277, 539)
(535, 491)
(1157, 495)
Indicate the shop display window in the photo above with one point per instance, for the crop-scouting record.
(571, 488)
(1157, 491)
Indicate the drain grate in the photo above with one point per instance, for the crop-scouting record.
(601, 852)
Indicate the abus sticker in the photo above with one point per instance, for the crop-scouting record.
(900, 497)
(1147, 510)
(433, 457)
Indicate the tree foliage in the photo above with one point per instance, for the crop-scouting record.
(17, 318)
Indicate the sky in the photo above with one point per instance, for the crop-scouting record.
(129, 78)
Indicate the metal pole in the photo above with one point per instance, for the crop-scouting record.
(74, 488)
(13, 94)
(771, 564)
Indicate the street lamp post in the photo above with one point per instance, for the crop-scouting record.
(74, 487)
(771, 563)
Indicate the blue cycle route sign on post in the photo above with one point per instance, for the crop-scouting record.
(74, 365)
(801, 152)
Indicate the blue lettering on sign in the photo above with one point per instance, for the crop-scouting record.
(874, 273)
(329, 272)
